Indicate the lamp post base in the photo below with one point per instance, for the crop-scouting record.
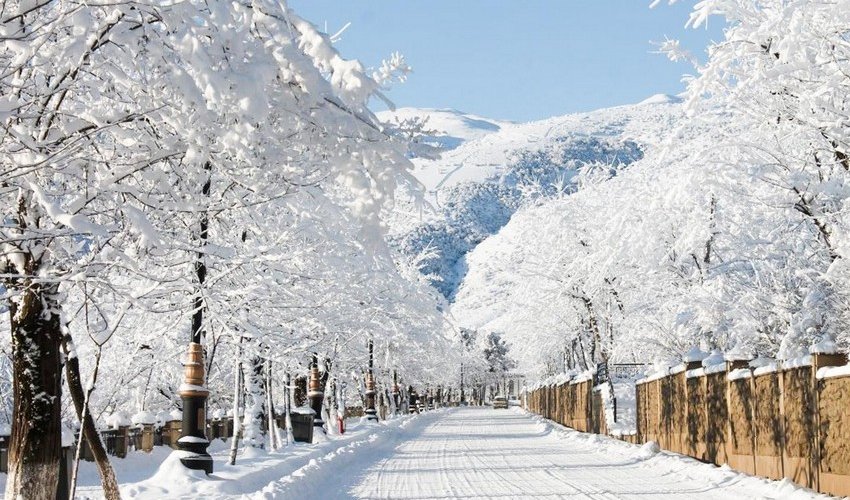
(193, 440)
(201, 461)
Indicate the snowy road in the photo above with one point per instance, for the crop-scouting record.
(485, 453)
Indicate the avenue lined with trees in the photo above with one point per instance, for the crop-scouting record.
(196, 199)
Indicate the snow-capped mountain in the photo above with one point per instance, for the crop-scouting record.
(489, 168)
(486, 147)
(448, 128)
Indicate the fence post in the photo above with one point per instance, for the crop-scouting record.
(820, 360)
(172, 430)
(122, 442)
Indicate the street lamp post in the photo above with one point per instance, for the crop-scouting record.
(462, 396)
(371, 413)
(315, 393)
(396, 392)
(193, 440)
(194, 396)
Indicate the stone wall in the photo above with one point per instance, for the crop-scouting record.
(775, 423)
(833, 429)
(570, 404)
(781, 423)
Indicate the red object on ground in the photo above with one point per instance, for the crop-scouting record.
(340, 425)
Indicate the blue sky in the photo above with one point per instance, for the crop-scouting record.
(521, 59)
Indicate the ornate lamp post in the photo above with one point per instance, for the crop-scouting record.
(396, 392)
(371, 413)
(462, 395)
(192, 391)
(315, 393)
(194, 396)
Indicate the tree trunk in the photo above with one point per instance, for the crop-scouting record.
(78, 396)
(36, 440)
(255, 404)
(272, 426)
(237, 396)
(289, 395)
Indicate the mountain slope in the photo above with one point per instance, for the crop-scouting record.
(448, 128)
(475, 187)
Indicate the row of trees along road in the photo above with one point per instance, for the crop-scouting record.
(731, 233)
(203, 171)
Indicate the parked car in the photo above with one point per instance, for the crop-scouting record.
(500, 402)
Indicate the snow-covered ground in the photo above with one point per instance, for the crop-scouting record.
(159, 475)
(456, 453)
(485, 453)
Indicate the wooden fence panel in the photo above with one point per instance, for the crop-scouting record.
(769, 426)
(717, 419)
(742, 427)
(798, 408)
(781, 423)
(696, 418)
(834, 431)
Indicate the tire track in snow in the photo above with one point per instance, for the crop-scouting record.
(480, 453)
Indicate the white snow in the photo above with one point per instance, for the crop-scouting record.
(486, 146)
(826, 346)
(144, 417)
(192, 387)
(626, 421)
(192, 439)
(450, 127)
(485, 453)
(718, 368)
(662, 99)
(833, 371)
(739, 373)
(714, 359)
(663, 372)
(67, 436)
(303, 410)
(739, 353)
(798, 362)
(452, 453)
(694, 355)
(118, 419)
(768, 368)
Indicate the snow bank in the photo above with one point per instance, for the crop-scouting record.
(257, 473)
(657, 460)
(626, 411)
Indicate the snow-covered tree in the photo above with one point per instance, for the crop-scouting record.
(141, 142)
